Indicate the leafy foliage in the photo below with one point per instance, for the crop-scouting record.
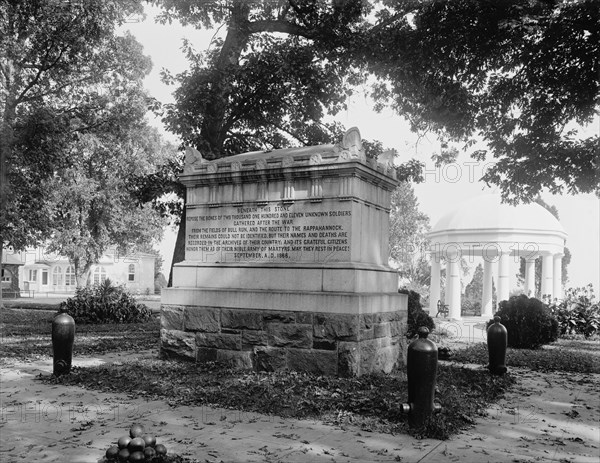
(528, 321)
(471, 302)
(518, 73)
(417, 317)
(408, 241)
(57, 60)
(92, 204)
(578, 312)
(105, 303)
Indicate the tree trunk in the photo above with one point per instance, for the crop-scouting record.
(8, 98)
(179, 251)
(6, 140)
(81, 273)
(213, 128)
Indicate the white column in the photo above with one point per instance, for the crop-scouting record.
(547, 268)
(557, 276)
(530, 276)
(434, 285)
(486, 299)
(453, 286)
(503, 277)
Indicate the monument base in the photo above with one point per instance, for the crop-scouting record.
(345, 334)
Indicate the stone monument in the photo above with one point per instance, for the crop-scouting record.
(286, 263)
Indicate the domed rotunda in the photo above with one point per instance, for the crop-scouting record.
(484, 226)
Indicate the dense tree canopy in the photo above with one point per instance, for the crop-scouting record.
(517, 73)
(520, 74)
(62, 67)
(92, 203)
(75, 142)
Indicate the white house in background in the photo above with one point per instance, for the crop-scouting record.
(50, 273)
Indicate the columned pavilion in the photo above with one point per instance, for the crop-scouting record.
(484, 226)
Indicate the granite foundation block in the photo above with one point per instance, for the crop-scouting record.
(279, 317)
(241, 360)
(270, 359)
(366, 321)
(305, 318)
(206, 320)
(172, 317)
(290, 335)
(219, 340)
(320, 362)
(242, 319)
(252, 338)
(179, 344)
(321, 343)
(206, 354)
(343, 327)
(382, 330)
(348, 359)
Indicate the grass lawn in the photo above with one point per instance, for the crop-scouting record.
(370, 402)
(26, 334)
(570, 355)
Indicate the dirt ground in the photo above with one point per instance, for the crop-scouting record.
(546, 417)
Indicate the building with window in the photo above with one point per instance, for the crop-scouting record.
(10, 274)
(40, 272)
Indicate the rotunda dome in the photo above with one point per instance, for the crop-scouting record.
(487, 212)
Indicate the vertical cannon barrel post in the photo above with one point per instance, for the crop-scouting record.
(497, 341)
(421, 368)
(63, 335)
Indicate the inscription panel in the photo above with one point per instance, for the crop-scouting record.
(299, 232)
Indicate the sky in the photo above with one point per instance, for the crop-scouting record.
(441, 190)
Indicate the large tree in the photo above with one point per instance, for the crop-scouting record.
(517, 73)
(92, 203)
(75, 142)
(56, 60)
(521, 74)
(408, 240)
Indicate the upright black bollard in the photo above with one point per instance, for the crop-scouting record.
(63, 335)
(421, 369)
(497, 340)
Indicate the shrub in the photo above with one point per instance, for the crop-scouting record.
(528, 321)
(417, 317)
(105, 303)
(577, 313)
(470, 307)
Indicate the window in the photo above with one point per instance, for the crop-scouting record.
(99, 275)
(70, 279)
(57, 276)
(131, 272)
(44, 277)
(6, 277)
(32, 275)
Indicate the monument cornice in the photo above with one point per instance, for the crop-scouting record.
(344, 159)
(295, 172)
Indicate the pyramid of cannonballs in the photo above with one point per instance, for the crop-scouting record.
(137, 447)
